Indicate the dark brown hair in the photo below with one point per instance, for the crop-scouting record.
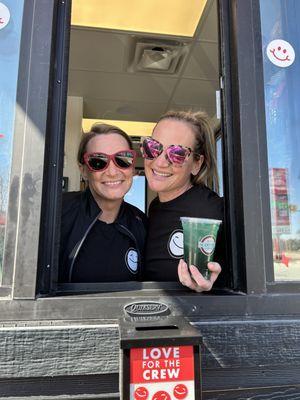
(99, 129)
(205, 145)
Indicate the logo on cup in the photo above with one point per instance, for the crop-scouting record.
(207, 245)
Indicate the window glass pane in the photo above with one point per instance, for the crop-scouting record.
(10, 32)
(137, 192)
(281, 50)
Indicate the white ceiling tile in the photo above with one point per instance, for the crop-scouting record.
(98, 65)
(122, 110)
(132, 87)
(208, 27)
(194, 91)
(204, 62)
(97, 50)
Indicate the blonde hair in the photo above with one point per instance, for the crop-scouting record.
(205, 145)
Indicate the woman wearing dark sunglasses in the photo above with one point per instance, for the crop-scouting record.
(102, 237)
(179, 162)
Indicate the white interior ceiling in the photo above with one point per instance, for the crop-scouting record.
(100, 73)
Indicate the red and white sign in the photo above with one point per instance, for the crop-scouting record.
(162, 373)
(279, 200)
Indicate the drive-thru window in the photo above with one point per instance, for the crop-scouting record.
(66, 64)
(127, 72)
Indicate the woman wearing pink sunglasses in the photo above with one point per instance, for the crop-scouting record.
(179, 163)
(102, 237)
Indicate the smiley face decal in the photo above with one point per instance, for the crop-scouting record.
(131, 260)
(180, 391)
(4, 15)
(175, 244)
(141, 393)
(161, 395)
(280, 53)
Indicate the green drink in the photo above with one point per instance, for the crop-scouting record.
(199, 239)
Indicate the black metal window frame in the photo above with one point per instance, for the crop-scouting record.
(42, 91)
(251, 126)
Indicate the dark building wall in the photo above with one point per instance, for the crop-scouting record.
(239, 358)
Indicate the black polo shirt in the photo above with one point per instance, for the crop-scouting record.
(106, 255)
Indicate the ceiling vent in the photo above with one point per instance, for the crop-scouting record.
(157, 56)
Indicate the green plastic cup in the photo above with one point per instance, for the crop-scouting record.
(199, 240)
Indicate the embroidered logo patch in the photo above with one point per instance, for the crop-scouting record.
(131, 260)
(175, 244)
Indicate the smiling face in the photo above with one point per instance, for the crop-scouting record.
(4, 16)
(280, 53)
(141, 393)
(113, 183)
(180, 391)
(131, 260)
(161, 395)
(175, 244)
(168, 180)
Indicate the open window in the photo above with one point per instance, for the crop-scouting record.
(127, 70)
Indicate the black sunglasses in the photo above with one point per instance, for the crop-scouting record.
(100, 161)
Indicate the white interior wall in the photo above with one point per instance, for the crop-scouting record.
(72, 139)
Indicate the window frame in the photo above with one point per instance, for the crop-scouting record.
(245, 165)
(247, 200)
(272, 285)
(53, 164)
(260, 276)
(48, 262)
(24, 198)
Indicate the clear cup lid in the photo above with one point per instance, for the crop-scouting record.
(201, 220)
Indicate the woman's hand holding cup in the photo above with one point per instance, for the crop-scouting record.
(192, 278)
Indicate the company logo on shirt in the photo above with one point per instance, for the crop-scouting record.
(175, 244)
(207, 245)
(131, 260)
